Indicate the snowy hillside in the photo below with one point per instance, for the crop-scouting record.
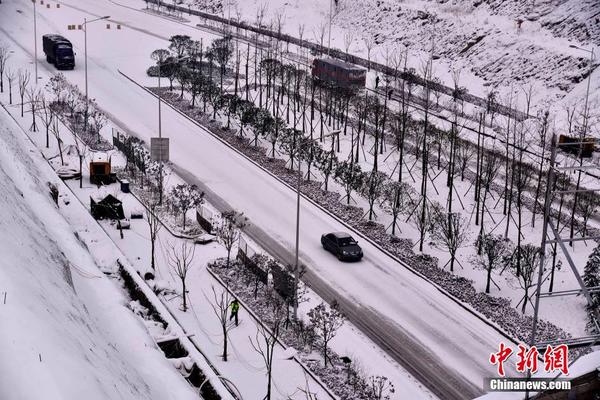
(65, 331)
(497, 45)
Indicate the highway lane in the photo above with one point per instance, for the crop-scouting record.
(443, 346)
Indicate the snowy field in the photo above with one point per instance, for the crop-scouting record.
(377, 283)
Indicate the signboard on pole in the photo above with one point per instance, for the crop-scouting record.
(159, 149)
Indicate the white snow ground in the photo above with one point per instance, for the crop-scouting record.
(455, 338)
(244, 367)
(117, 102)
(65, 331)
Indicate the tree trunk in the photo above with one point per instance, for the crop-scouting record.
(225, 339)
(152, 242)
(184, 295)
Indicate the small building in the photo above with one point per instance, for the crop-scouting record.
(101, 170)
(106, 207)
(339, 73)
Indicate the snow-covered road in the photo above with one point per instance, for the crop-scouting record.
(435, 339)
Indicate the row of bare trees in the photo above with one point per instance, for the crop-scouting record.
(292, 97)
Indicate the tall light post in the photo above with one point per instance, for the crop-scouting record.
(585, 122)
(35, 40)
(84, 27)
(160, 167)
(297, 263)
(298, 185)
(330, 18)
(587, 92)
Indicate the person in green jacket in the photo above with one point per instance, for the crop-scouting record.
(235, 307)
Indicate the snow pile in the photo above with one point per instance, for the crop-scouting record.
(65, 333)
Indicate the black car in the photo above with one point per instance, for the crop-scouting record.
(342, 245)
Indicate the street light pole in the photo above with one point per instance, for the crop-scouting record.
(585, 122)
(35, 40)
(330, 18)
(86, 74)
(297, 264)
(84, 27)
(298, 185)
(160, 165)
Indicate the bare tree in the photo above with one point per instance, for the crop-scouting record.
(185, 197)
(24, 77)
(464, 154)
(33, 99)
(381, 387)
(98, 120)
(369, 44)
(372, 188)
(349, 175)
(421, 220)
(398, 197)
(487, 175)
(587, 206)
(154, 224)
(4, 55)
(524, 269)
(228, 230)
(326, 322)
(543, 141)
(261, 10)
(11, 75)
(55, 129)
(47, 116)
(494, 251)
(161, 56)
(529, 91)
(319, 33)
(80, 147)
(450, 232)
(180, 259)
(220, 306)
(265, 342)
(348, 39)
(308, 394)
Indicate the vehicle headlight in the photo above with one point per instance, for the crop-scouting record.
(344, 252)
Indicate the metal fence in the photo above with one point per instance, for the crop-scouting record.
(205, 218)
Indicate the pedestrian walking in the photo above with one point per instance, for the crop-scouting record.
(235, 307)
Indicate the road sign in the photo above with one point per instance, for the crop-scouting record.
(159, 149)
